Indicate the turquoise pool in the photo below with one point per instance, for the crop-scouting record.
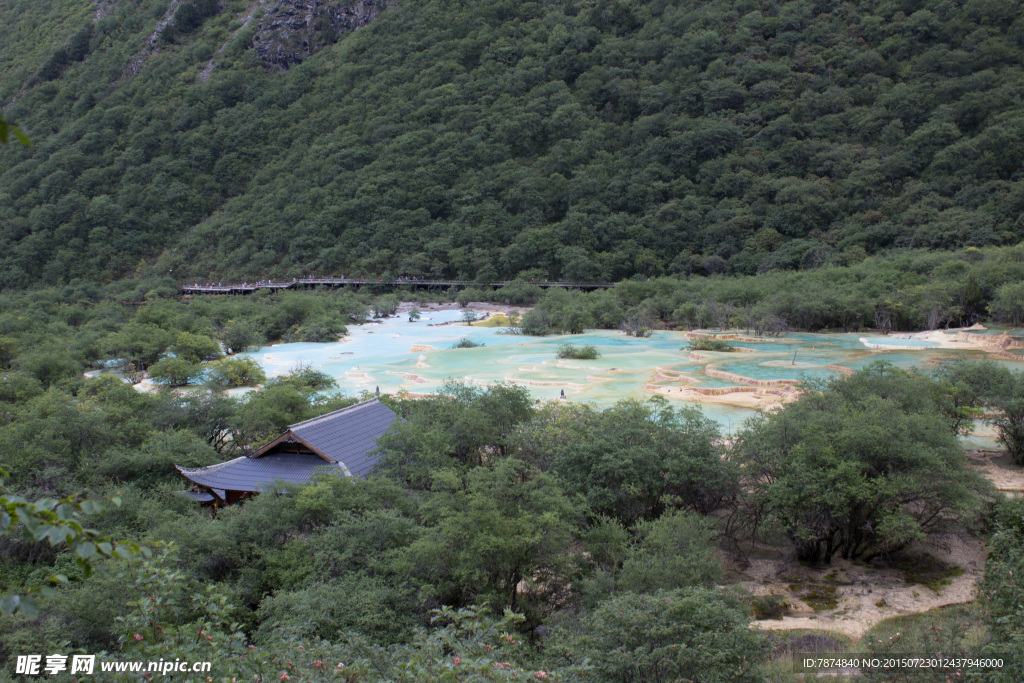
(897, 341)
(398, 355)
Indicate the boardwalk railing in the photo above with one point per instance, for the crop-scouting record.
(336, 282)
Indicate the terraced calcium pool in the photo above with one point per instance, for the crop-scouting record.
(897, 341)
(417, 357)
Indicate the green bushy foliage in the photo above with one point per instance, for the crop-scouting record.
(676, 550)
(977, 387)
(175, 372)
(706, 344)
(633, 461)
(562, 140)
(859, 467)
(361, 604)
(385, 306)
(696, 634)
(454, 429)
(189, 16)
(578, 352)
(235, 372)
(240, 335)
(195, 348)
(534, 323)
(467, 343)
(320, 331)
(1002, 596)
(153, 462)
(769, 607)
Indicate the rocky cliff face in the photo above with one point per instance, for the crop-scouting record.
(291, 30)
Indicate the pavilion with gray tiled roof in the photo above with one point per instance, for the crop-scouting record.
(339, 443)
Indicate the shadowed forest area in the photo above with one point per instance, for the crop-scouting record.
(589, 140)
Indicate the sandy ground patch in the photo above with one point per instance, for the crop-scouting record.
(744, 397)
(997, 345)
(147, 386)
(997, 468)
(865, 595)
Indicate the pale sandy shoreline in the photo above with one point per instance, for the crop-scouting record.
(770, 394)
(478, 306)
(966, 338)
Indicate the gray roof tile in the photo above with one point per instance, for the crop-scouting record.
(345, 435)
(253, 474)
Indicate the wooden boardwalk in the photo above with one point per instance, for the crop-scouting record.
(355, 283)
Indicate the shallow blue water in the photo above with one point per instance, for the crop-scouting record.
(901, 341)
(416, 357)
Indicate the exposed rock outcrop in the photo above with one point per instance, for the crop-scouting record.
(104, 8)
(292, 30)
(152, 45)
(257, 8)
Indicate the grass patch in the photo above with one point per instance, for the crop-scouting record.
(498, 320)
(806, 641)
(836, 578)
(818, 597)
(578, 352)
(787, 645)
(952, 630)
(927, 571)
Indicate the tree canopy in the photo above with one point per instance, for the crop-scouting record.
(862, 467)
(551, 139)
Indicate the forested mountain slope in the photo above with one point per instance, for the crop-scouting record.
(589, 139)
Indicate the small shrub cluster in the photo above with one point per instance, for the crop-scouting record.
(467, 343)
(578, 352)
(769, 607)
(706, 344)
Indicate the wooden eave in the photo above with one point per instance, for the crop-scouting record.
(292, 437)
(209, 490)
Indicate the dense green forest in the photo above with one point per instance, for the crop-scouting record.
(751, 165)
(584, 139)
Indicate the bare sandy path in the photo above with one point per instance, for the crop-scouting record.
(864, 595)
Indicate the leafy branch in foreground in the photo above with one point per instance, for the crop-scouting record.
(6, 129)
(57, 522)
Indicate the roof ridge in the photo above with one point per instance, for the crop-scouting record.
(334, 413)
(209, 468)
